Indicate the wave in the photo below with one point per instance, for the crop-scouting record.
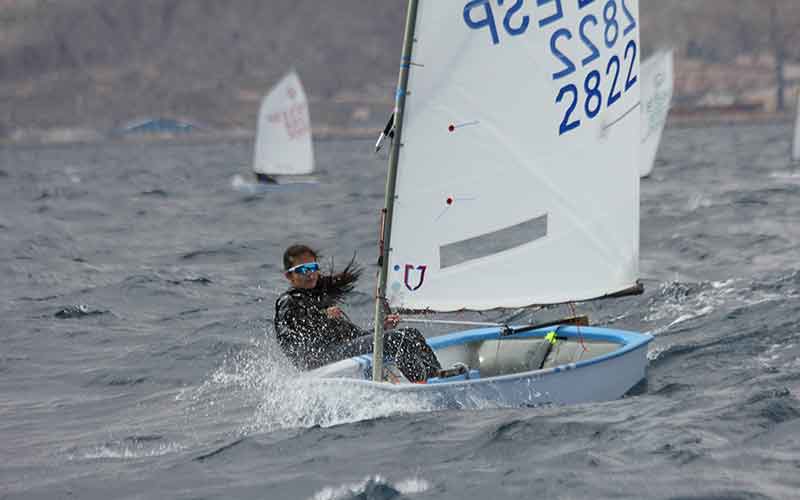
(138, 280)
(374, 488)
(279, 397)
(676, 303)
(78, 311)
(217, 451)
(118, 378)
(129, 448)
(160, 193)
(227, 252)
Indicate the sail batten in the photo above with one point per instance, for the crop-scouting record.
(484, 245)
(522, 188)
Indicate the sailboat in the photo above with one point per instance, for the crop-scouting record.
(657, 84)
(510, 190)
(284, 152)
(796, 143)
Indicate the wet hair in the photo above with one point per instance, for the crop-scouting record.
(332, 286)
(294, 252)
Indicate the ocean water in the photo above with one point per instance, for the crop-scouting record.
(137, 361)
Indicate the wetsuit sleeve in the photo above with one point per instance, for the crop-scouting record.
(305, 333)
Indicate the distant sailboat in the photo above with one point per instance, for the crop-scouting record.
(796, 147)
(657, 82)
(284, 152)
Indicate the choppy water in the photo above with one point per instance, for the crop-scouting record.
(136, 360)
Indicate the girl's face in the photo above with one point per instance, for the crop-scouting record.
(305, 280)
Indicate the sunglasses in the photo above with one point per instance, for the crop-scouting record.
(303, 269)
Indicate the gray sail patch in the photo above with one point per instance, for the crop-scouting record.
(462, 251)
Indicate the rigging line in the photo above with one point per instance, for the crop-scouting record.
(387, 309)
(574, 312)
(622, 117)
(497, 351)
(450, 322)
(516, 314)
(381, 226)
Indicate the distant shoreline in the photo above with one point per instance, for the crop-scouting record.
(687, 118)
(700, 117)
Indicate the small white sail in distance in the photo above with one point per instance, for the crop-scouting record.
(283, 145)
(521, 186)
(796, 144)
(657, 86)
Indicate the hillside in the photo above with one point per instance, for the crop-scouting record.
(100, 63)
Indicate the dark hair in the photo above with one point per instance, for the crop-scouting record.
(332, 286)
(293, 252)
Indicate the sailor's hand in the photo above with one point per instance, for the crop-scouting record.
(391, 321)
(334, 312)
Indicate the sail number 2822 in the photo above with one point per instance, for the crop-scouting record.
(601, 36)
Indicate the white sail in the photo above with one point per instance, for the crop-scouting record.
(283, 140)
(518, 178)
(796, 146)
(657, 84)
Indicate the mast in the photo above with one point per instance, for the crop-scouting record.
(391, 180)
(796, 147)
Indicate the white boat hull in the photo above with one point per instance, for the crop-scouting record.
(602, 378)
(251, 186)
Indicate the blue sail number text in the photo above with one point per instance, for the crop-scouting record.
(606, 80)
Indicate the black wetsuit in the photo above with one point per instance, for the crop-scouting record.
(310, 339)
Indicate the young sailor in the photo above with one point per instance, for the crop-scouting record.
(313, 330)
